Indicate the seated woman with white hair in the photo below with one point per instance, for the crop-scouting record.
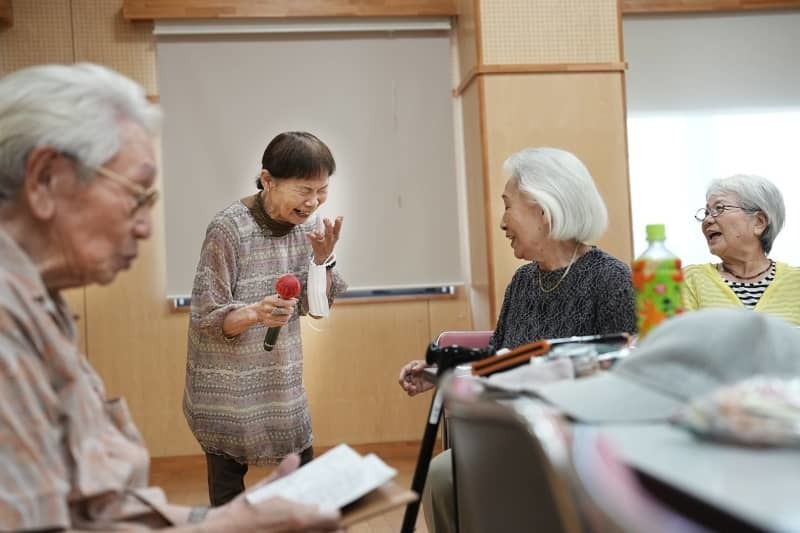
(742, 217)
(552, 212)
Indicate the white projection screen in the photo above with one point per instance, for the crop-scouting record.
(380, 100)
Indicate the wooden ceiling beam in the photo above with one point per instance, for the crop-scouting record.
(6, 14)
(631, 7)
(218, 9)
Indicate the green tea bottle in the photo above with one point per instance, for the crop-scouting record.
(657, 282)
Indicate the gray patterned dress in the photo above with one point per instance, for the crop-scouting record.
(595, 297)
(240, 400)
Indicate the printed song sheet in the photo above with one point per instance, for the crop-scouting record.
(331, 481)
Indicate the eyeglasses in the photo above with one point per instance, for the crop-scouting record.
(715, 211)
(144, 198)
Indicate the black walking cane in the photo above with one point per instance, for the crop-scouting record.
(445, 358)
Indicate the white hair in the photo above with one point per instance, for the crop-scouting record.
(756, 194)
(561, 184)
(75, 109)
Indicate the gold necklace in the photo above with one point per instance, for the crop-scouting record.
(564, 275)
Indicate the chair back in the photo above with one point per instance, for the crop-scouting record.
(467, 339)
(503, 473)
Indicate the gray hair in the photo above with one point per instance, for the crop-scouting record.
(756, 194)
(75, 109)
(562, 185)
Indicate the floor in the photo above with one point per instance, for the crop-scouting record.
(184, 481)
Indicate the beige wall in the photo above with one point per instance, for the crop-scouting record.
(482, 220)
(139, 346)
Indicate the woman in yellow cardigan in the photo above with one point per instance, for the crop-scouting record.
(742, 217)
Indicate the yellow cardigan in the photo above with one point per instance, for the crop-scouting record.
(704, 287)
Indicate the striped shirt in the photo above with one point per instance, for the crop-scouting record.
(69, 458)
(749, 293)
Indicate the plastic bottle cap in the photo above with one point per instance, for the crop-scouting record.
(656, 232)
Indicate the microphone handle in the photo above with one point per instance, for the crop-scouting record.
(271, 338)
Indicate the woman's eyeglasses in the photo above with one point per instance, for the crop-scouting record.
(715, 211)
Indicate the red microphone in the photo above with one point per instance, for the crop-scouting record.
(288, 287)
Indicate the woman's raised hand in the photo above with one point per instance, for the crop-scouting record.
(324, 239)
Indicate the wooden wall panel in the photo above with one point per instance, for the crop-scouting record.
(351, 369)
(481, 220)
(176, 9)
(703, 6)
(449, 314)
(103, 36)
(139, 348)
(42, 33)
(352, 362)
(549, 31)
(582, 113)
(468, 36)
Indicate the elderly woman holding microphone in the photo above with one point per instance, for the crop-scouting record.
(568, 287)
(742, 217)
(244, 399)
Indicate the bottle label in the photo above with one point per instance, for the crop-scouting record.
(658, 288)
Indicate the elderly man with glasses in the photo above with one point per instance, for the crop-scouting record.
(742, 217)
(77, 176)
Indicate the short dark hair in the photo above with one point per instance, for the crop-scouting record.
(296, 154)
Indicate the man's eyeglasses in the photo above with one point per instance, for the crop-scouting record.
(144, 198)
(715, 211)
